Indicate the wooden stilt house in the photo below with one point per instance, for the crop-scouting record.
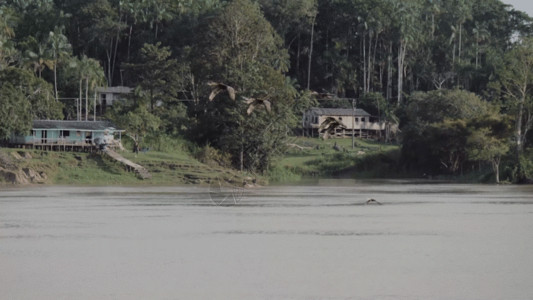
(357, 122)
(68, 135)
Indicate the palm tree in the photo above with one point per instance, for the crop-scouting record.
(90, 72)
(60, 47)
(96, 78)
(7, 51)
(39, 59)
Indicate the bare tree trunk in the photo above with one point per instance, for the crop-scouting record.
(460, 40)
(477, 51)
(129, 41)
(78, 108)
(109, 75)
(310, 53)
(401, 60)
(369, 64)
(453, 53)
(389, 73)
(94, 106)
(115, 54)
(87, 99)
(370, 84)
(55, 76)
(496, 168)
(298, 58)
(364, 63)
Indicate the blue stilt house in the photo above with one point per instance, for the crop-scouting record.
(63, 135)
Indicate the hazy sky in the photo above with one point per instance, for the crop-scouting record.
(523, 5)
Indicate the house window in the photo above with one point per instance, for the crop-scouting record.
(362, 119)
(340, 118)
(64, 133)
(356, 120)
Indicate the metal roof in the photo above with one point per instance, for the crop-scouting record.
(115, 90)
(338, 111)
(74, 125)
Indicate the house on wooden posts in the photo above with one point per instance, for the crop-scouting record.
(69, 135)
(357, 122)
(108, 95)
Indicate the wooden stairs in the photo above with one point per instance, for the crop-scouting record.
(130, 166)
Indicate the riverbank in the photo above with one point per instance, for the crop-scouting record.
(334, 158)
(20, 166)
(305, 158)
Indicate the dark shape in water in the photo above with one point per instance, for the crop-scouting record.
(372, 201)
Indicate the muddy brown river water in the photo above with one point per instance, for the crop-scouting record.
(317, 241)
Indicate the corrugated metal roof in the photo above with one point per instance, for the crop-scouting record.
(115, 89)
(78, 125)
(338, 111)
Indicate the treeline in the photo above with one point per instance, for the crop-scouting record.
(236, 75)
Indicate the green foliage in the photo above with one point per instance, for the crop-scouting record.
(515, 85)
(445, 131)
(212, 157)
(136, 120)
(15, 116)
(435, 106)
(379, 52)
(160, 80)
(36, 91)
(279, 174)
(242, 50)
(319, 158)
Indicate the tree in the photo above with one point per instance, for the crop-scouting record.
(7, 50)
(60, 48)
(103, 23)
(435, 129)
(36, 56)
(516, 78)
(135, 118)
(90, 72)
(156, 73)
(36, 91)
(489, 141)
(15, 116)
(241, 49)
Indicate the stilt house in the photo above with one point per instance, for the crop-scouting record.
(68, 135)
(357, 122)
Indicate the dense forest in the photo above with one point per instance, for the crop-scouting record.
(456, 76)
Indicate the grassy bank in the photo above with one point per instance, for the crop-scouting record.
(312, 157)
(75, 168)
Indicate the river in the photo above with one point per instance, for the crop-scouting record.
(317, 241)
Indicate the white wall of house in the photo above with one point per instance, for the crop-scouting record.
(313, 121)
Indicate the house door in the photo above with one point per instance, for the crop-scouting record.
(44, 136)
